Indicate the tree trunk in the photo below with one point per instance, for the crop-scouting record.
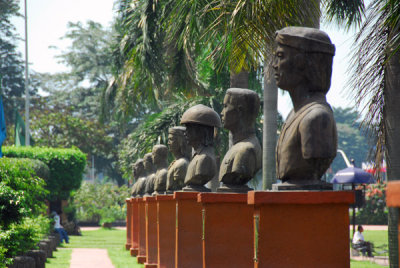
(270, 126)
(392, 142)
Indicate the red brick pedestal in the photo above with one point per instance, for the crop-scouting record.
(188, 252)
(141, 257)
(128, 244)
(301, 228)
(166, 225)
(134, 250)
(151, 232)
(393, 198)
(227, 230)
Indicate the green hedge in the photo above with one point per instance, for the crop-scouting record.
(22, 205)
(66, 167)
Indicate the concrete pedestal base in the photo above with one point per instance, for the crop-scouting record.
(301, 228)
(134, 250)
(141, 256)
(166, 226)
(188, 252)
(128, 244)
(151, 232)
(227, 230)
(393, 200)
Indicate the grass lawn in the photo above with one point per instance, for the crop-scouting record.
(361, 264)
(113, 240)
(379, 239)
(61, 259)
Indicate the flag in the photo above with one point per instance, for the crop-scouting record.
(20, 131)
(3, 132)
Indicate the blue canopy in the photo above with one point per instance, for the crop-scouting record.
(352, 175)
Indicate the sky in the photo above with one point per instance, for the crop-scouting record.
(48, 19)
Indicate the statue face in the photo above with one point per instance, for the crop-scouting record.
(230, 114)
(192, 135)
(148, 164)
(138, 169)
(288, 72)
(173, 143)
(157, 158)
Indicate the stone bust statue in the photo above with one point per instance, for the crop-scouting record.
(136, 179)
(177, 169)
(140, 175)
(160, 161)
(308, 141)
(150, 174)
(200, 122)
(243, 159)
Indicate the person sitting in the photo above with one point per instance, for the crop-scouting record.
(359, 242)
(59, 229)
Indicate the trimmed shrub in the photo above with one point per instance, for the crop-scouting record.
(18, 178)
(66, 167)
(22, 237)
(22, 196)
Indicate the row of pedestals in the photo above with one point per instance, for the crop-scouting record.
(258, 229)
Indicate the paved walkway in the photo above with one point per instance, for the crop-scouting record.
(90, 258)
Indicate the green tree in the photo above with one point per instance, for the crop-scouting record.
(70, 114)
(353, 140)
(247, 29)
(11, 63)
(376, 65)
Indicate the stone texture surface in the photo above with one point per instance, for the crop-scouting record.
(23, 262)
(308, 141)
(178, 146)
(243, 159)
(39, 256)
(200, 122)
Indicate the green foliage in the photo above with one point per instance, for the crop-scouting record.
(22, 237)
(11, 62)
(66, 167)
(351, 139)
(70, 114)
(11, 209)
(22, 203)
(100, 202)
(154, 129)
(375, 210)
(28, 188)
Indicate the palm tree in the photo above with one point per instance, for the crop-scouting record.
(248, 29)
(377, 70)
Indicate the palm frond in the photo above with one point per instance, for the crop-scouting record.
(376, 42)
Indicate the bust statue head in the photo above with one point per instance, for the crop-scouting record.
(241, 107)
(200, 121)
(138, 168)
(160, 154)
(303, 58)
(148, 163)
(177, 143)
